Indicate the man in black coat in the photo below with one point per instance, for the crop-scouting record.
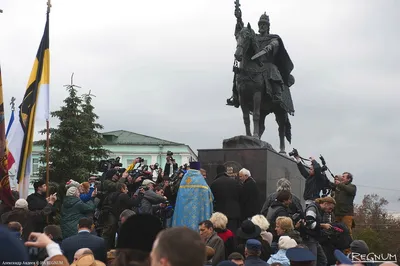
(84, 239)
(249, 198)
(226, 191)
(37, 201)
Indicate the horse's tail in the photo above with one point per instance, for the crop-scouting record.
(288, 129)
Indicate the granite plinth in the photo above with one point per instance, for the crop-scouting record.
(245, 142)
(266, 167)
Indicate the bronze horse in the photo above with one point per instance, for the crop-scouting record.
(251, 88)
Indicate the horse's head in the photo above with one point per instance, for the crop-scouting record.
(245, 40)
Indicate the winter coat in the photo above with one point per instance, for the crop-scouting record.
(72, 210)
(86, 197)
(294, 207)
(226, 191)
(150, 198)
(276, 210)
(111, 186)
(279, 257)
(312, 189)
(28, 219)
(249, 199)
(344, 196)
(36, 201)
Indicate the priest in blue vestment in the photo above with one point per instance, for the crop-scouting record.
(194, 202)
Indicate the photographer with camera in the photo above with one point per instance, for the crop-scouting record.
(313, 177)
(150, 198)
(170, 166)
(345, 193)
(311, 228)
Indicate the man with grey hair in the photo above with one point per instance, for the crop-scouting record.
(125, 214)
(249, 198)
(282, 185)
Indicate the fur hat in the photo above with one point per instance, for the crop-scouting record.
(71, 191)
(285, 242)
(21, 204)
(144, 228)
(72, 183)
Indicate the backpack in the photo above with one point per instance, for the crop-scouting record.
(338, 236)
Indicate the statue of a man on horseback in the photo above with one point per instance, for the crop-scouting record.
(262, 77)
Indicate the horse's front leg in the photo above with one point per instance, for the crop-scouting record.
(256, 114)
(244, 106)
(281, 121)
(246, 118)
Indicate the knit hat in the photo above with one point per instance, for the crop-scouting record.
(285, 242)
(359, 246)
(12, 249)
(71, 191)
(71, 183)
(21, 204)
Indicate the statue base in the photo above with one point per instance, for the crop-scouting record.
(265, 164)
(245, 142)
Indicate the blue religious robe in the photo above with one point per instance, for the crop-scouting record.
(194, 202)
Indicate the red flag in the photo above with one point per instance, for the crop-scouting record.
(5, 190)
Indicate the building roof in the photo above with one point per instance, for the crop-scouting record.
(123, 137)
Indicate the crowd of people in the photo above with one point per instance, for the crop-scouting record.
(180, 216)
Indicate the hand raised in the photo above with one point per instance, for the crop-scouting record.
(38, 240)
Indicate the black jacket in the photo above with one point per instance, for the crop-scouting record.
(249, 199)
(226, 193)
(294, 207)
(167, 169)
(276, 210)
(312, 189)
(84, 240)
(36, 201)
(313, 221)
(344, 196)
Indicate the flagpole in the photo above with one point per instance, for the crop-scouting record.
(48, 135)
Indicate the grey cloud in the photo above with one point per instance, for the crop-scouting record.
(163, 68)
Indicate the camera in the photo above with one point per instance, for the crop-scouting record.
(140, 159)
(105, 165)
(296, 218)
(324, 167)
(294, 153)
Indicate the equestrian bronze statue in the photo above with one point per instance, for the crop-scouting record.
(262, 78)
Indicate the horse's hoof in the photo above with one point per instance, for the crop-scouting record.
(282, 152)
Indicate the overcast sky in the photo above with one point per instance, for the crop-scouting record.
(164, 69)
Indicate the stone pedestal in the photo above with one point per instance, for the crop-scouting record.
(265, 164)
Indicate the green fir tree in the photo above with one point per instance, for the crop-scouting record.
(93, 141)
(74, 144)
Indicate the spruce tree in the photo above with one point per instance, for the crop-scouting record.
(93, 141)
(71, 142)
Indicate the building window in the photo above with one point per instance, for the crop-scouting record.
(35, 166)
